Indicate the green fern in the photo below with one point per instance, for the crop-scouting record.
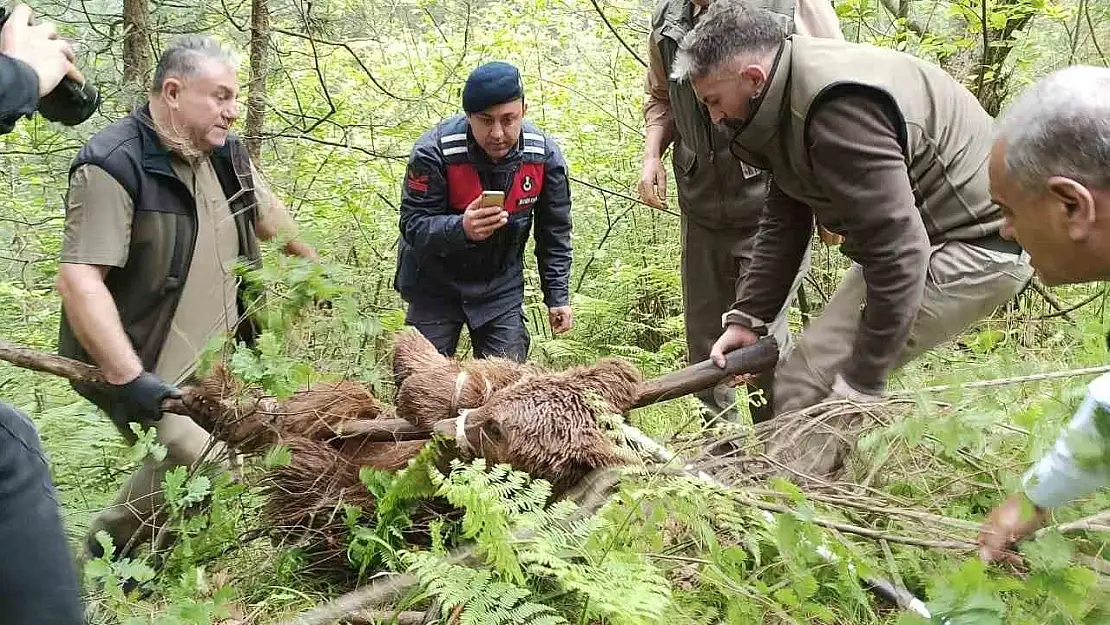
(530, 543)
(493, 500)
(485, 601)
(396, 496)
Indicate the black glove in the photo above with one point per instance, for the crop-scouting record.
(141, 398)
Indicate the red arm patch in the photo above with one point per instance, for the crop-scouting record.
(417, 182)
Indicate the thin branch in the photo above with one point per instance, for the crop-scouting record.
(1036, 377)
(1094, 38)
(371, 153)
(349, 49)
(621, 195)
(901, 11)
(1064, 313)
(616, 34)
(1094, 522)
(986, 49)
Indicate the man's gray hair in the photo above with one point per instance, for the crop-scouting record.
(1060, 127)
(186, 55)
(730, 28)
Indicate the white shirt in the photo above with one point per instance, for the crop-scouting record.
(1079, 462)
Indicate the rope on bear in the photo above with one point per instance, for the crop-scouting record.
(461, 442)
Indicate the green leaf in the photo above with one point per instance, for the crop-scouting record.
(787, 597)
(277, 456)
(1050, 553)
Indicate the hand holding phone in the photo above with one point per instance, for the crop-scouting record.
(485, 215)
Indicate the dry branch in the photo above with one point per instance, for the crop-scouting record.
(1035, 377)
(383, 430)
(68, 368)
(384, 617)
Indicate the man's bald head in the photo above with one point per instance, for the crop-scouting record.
(1050, 173)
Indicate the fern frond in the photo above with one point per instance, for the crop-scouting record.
(485, 601)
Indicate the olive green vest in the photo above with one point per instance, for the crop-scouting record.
(147, 289)
(945, 134)
(715, 190)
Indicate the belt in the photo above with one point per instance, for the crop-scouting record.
(996, 243)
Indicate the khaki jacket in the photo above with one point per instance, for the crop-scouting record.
(715, 189)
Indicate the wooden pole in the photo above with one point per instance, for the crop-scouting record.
(705, 375)
(70, 369)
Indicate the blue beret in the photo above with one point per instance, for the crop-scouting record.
(491, 84)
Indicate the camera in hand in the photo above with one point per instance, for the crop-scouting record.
(71, 102)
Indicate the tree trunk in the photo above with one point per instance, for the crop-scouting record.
(256, 95)
(136, 43)
(968, 65)
(981, 67)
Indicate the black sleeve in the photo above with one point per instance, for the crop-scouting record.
(427, 224)
(553, 230)
(19, 92)
(785, 228)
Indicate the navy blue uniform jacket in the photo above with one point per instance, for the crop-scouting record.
(438, 268)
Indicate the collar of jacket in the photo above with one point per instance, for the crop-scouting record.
(156, 156)
(768, 107)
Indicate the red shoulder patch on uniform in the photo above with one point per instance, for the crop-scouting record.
(417, 182)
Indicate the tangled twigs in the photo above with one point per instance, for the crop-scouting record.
(866, 532)
(590, 494)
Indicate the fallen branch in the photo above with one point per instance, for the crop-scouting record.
(383, 430)
(1036, 377)
(384, 617)
(68, 368)
(1095, 522)
(867, 532)
(861, 504)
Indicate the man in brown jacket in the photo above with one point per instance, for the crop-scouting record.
(719, 196)
(884, 149)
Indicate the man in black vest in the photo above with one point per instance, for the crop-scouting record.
(161, 205)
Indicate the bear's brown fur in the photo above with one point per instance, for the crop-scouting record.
(425, 396)
(545, 425)
(256, 423)
(413, 353)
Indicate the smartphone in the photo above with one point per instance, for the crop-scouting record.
(492, 198)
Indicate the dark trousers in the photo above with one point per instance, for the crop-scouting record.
(503, 336)
(38, 579)
(714, 263)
